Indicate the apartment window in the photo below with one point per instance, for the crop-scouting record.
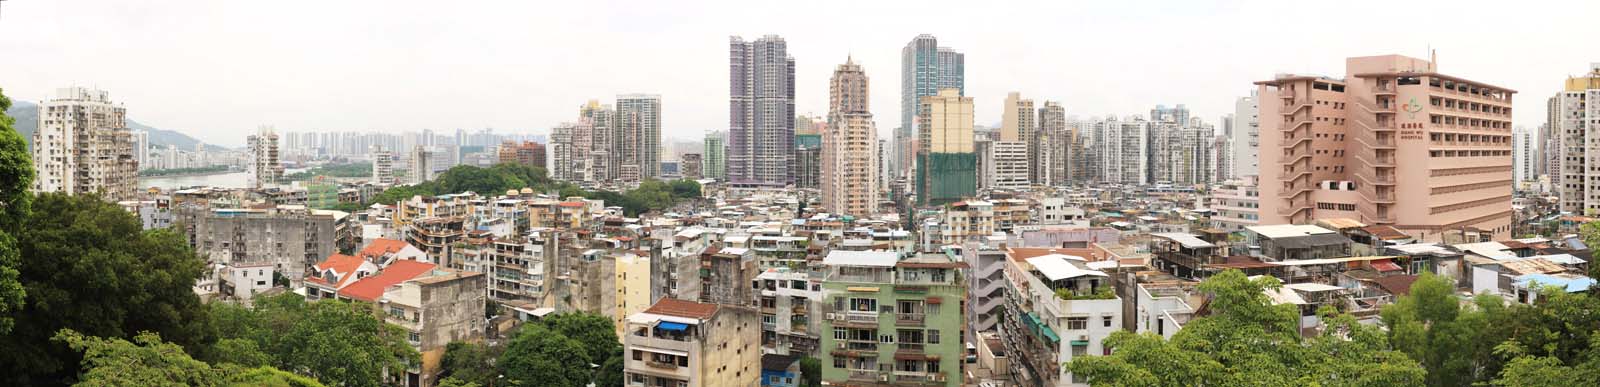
(838, 362)
(1106, 320)
(1077, 323)
(933, 336)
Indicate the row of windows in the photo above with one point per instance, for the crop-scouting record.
(1470, 187)
(1336, 206)
(1468, 153)
(1468, 106)
(1471, 204)
(1468, 171)
(1437, 119)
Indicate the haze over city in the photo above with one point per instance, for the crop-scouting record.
(218, 70)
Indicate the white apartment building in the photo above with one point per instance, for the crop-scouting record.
(83, 146)
(421, 164)
(1246, 129)
(787, 301)
(1003, 165)
(1572, 115)
(1058, 308)
(1522, 156)
(264, 168)
(1121, 148)
(382, 167)
(1236, 203)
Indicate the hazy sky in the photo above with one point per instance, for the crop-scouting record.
(219, 69)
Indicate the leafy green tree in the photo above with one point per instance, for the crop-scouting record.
(145, 362)
(264, 377)
(685, 189)
(342, 343)
(470, 362)
(88, 266)
(594, 332)
(568, 349)
(454, 382)
(1590, 234)
(148, 361)
(540, 356)
(241, 352)
(1455, 344)
(810, 372)
(16, 174)
(610, 372)
(1249, 341)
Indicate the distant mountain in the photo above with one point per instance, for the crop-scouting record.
(27, 117)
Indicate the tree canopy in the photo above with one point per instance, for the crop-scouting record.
(470, 363)
(338, 342)
(89, 266)
(651, 195)
(558, 351)
(16, 175)
(1248, 341)
(148, 361)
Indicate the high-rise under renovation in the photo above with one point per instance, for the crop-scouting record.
(760, 112)
(946, 164)
(1393, 143)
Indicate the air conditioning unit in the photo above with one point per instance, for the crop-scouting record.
(842, 344)
(832, 316)
(883, 378)
(1083, 337)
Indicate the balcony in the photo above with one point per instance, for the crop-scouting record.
(864, 375)
(661, 365)
(909, 319)
(656, 342)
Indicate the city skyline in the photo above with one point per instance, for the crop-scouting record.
(367, 66)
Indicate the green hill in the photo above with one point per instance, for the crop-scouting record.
(27, 116)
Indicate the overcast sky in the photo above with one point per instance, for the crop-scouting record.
(218, 69)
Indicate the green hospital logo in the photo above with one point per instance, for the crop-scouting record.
(1411, 108)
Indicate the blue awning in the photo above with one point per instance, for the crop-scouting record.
(671, 326)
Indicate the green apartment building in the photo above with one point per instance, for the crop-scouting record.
(888, 321)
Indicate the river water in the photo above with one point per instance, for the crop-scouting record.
(220, 180)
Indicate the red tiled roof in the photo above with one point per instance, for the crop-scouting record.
(1385, 265)
(1384, 232)
(342, 265)
(1513, 244)
(681, 308)
(382, 246)
(1398, 285)
(372, 287)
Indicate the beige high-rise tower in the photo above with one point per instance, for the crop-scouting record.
(83, 146)
(849, 157)
(1393, 143)
(1017, 126)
